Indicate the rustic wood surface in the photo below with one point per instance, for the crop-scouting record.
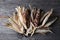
(7, 8)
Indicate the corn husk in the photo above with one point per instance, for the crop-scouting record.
(30, 20)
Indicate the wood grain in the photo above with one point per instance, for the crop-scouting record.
(7, 8)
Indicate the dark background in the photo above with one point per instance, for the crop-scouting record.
(7, 8)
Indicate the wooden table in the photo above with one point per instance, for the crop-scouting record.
(7, 8)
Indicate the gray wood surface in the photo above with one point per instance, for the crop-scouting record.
(7, 7)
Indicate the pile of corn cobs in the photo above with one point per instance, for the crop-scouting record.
(29, 21)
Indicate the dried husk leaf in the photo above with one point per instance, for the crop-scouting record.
(19, 10)
(16, 26)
